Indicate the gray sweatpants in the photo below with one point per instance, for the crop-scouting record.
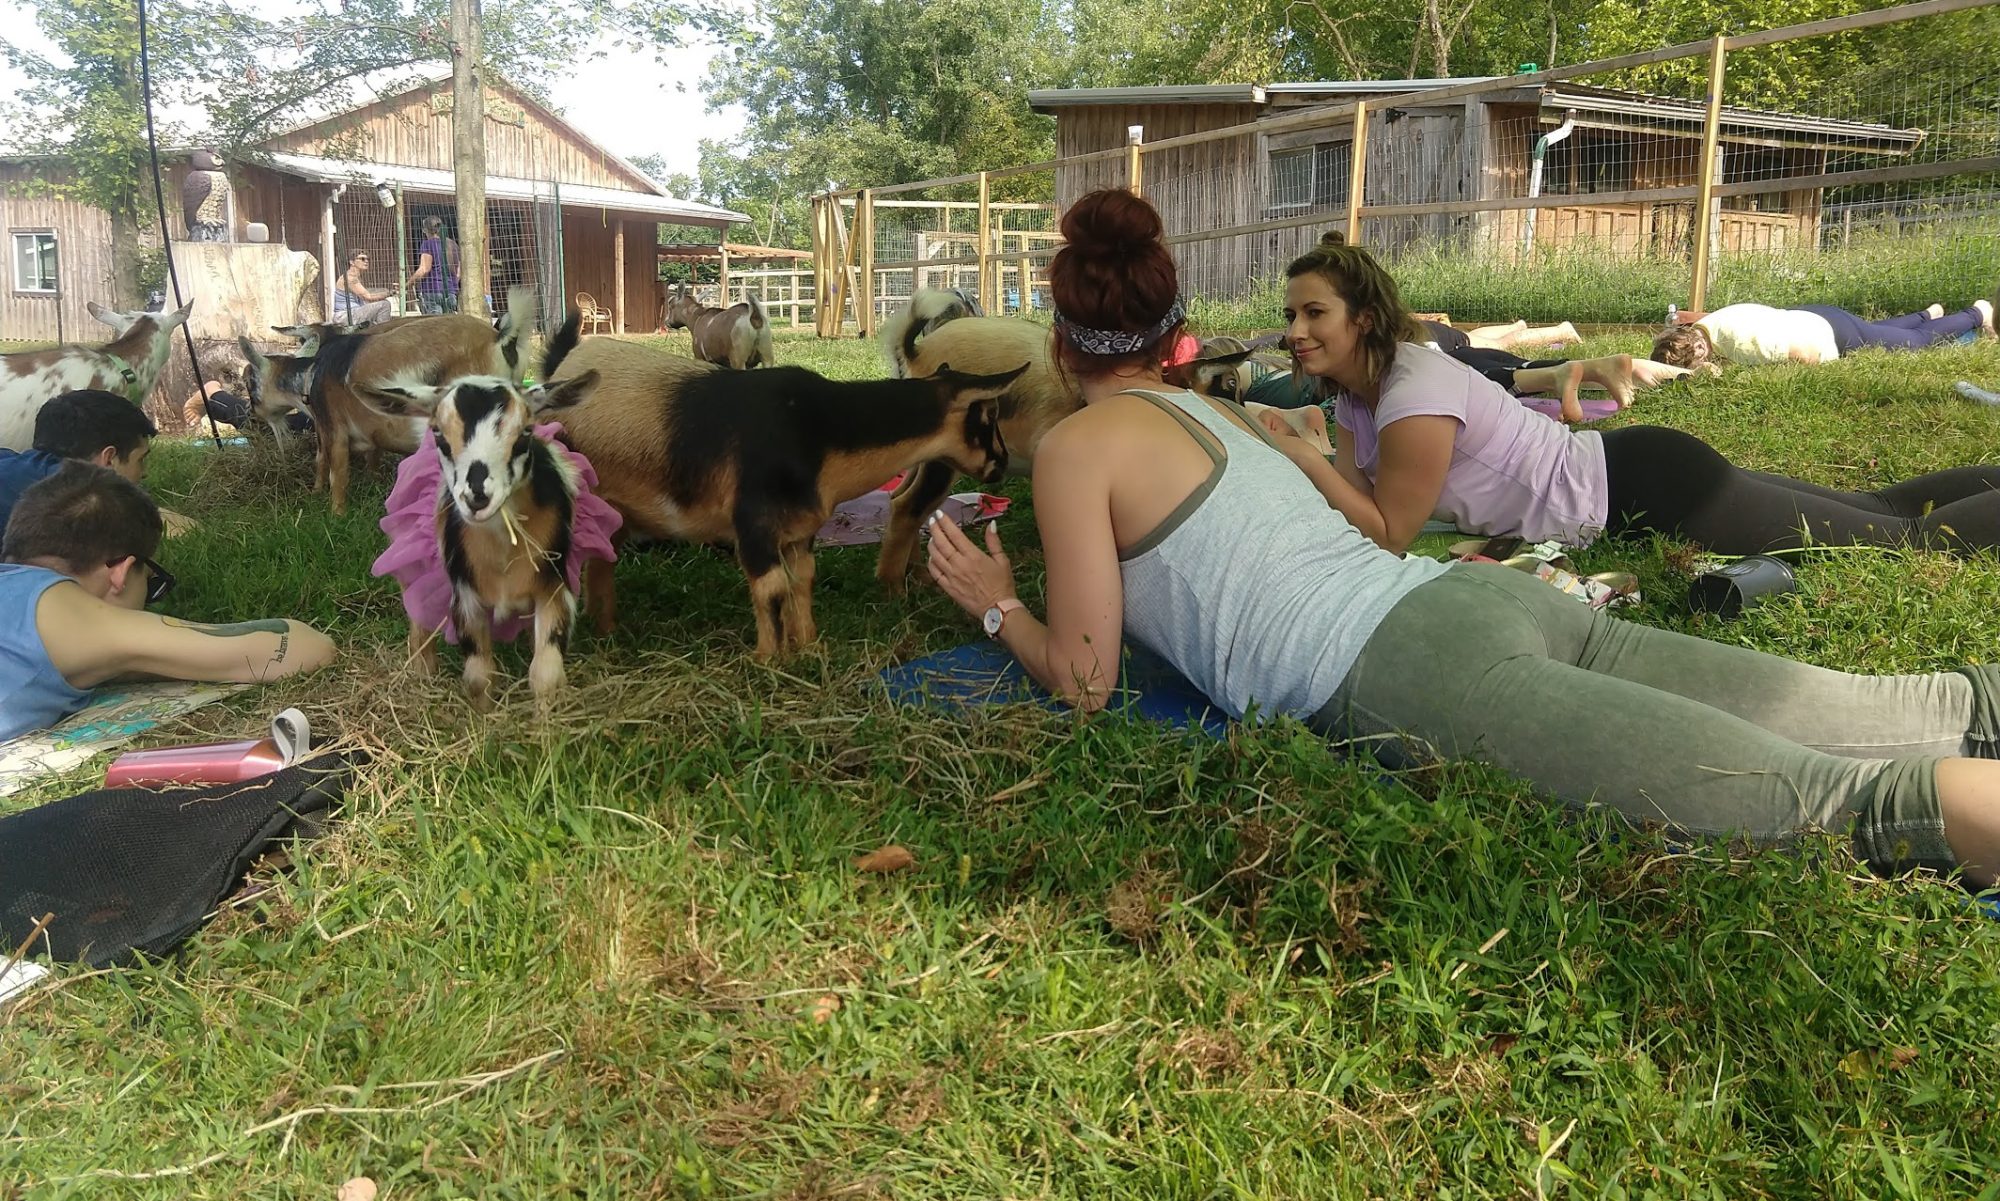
(1491, 664)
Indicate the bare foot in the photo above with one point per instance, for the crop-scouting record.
(1985, 308)
(1615, 374)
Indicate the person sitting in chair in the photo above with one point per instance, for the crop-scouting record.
(76, 573)
(354, 303)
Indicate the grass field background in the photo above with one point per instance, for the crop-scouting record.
(624, 951)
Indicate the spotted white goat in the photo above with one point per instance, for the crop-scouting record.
(504, 517)
(128, 365)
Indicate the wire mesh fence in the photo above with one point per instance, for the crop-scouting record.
(1850, 161)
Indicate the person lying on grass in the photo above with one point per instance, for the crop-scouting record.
(77, 574)
(1419, 435)
(90, 426)
(1811, 333)
(1170, 518)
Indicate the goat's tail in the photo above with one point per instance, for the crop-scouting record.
(560, 344)
(909, 325)
(760, 334)
(513, 328)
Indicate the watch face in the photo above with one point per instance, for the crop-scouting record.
(993, 619)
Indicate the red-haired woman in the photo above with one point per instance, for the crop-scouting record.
(1172, 519)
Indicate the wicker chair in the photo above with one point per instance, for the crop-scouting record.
(594, 314)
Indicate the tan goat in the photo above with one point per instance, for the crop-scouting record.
(336, 383)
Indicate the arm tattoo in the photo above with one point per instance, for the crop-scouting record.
(284, 644)
(236, 629)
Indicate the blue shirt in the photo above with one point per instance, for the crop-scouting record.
(21, 470)
(33, 694)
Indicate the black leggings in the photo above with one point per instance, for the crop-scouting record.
(1669, 482)
(1499, 365)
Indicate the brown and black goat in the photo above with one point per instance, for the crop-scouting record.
(738, 336)
(348, 369)
(506, 507)
(939, 327)
(758, 459)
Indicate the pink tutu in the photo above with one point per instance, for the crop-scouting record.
(416, 559)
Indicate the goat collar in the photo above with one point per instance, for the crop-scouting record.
(1119, 341)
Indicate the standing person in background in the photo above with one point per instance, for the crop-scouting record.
(436, 278)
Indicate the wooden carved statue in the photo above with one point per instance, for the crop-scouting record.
(205, 199)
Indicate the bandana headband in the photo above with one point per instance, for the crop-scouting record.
(1118, 341)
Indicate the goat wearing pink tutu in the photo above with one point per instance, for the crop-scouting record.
(493, 529)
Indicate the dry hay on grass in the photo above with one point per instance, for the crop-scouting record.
(264, 471)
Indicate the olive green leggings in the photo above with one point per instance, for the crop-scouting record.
(1489, 663)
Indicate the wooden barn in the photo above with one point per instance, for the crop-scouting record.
(564, 215)
(1600, 143)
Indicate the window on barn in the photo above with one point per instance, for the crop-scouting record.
(1309, 176)
(1585, 163)
(35, 261)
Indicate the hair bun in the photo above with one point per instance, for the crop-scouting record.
(1332, 238)
(1112, 222)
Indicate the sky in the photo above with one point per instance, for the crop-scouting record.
(625, 100)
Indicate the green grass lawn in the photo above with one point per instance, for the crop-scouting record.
(624, 952)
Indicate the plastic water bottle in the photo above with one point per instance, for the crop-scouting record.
(1673, 314)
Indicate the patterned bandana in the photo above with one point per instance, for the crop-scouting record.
(1118, 341)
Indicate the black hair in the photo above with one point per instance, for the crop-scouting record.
(76, 425)
(83, 516)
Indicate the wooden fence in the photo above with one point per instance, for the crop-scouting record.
(850, 283)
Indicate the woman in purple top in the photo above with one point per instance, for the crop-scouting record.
(1421, 434)
(436, 277)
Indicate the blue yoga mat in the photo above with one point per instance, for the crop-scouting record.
(984, 673)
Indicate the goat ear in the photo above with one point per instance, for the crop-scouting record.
(996, 383)
(1226, 360)
(563, 393)
(100, 312)
(406, 400)
(178, 315)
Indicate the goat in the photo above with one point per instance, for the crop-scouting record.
(350, 368)
(489, 524)
(1225, 368)
(758, 459)
(128, 365)
(738, 336)
(938, 327)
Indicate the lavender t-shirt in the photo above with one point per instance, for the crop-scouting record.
(1513, 470)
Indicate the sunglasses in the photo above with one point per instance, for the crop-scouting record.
(159, 581)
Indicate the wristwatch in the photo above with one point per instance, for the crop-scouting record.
(997, 615)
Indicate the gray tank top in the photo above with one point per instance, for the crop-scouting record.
(1254, 587)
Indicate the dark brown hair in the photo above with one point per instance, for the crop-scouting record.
(1113, 273)
(1367, 289)
(1683, 346)
(83, 516)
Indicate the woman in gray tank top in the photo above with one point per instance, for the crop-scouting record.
(1171, 518)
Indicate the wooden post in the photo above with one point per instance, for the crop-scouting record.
(999, 244)
(1025, 280)
(849, 285)
(1135, 178)
(1357, 173)
(333, 270)
(468, 154)
(982, 244)
(722, 277)
(1704, 205)
(402, 255)
(864, 235)
(618, 277)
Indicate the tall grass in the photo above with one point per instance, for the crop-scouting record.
(1877, 274)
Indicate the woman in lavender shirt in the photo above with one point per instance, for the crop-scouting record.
(1421, 434)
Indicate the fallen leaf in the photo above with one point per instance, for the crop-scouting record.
(889, 859)
(1858, 1065)
(824, 1009)
(1899, 1058)
(1503, 1043)
(358, 1189)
